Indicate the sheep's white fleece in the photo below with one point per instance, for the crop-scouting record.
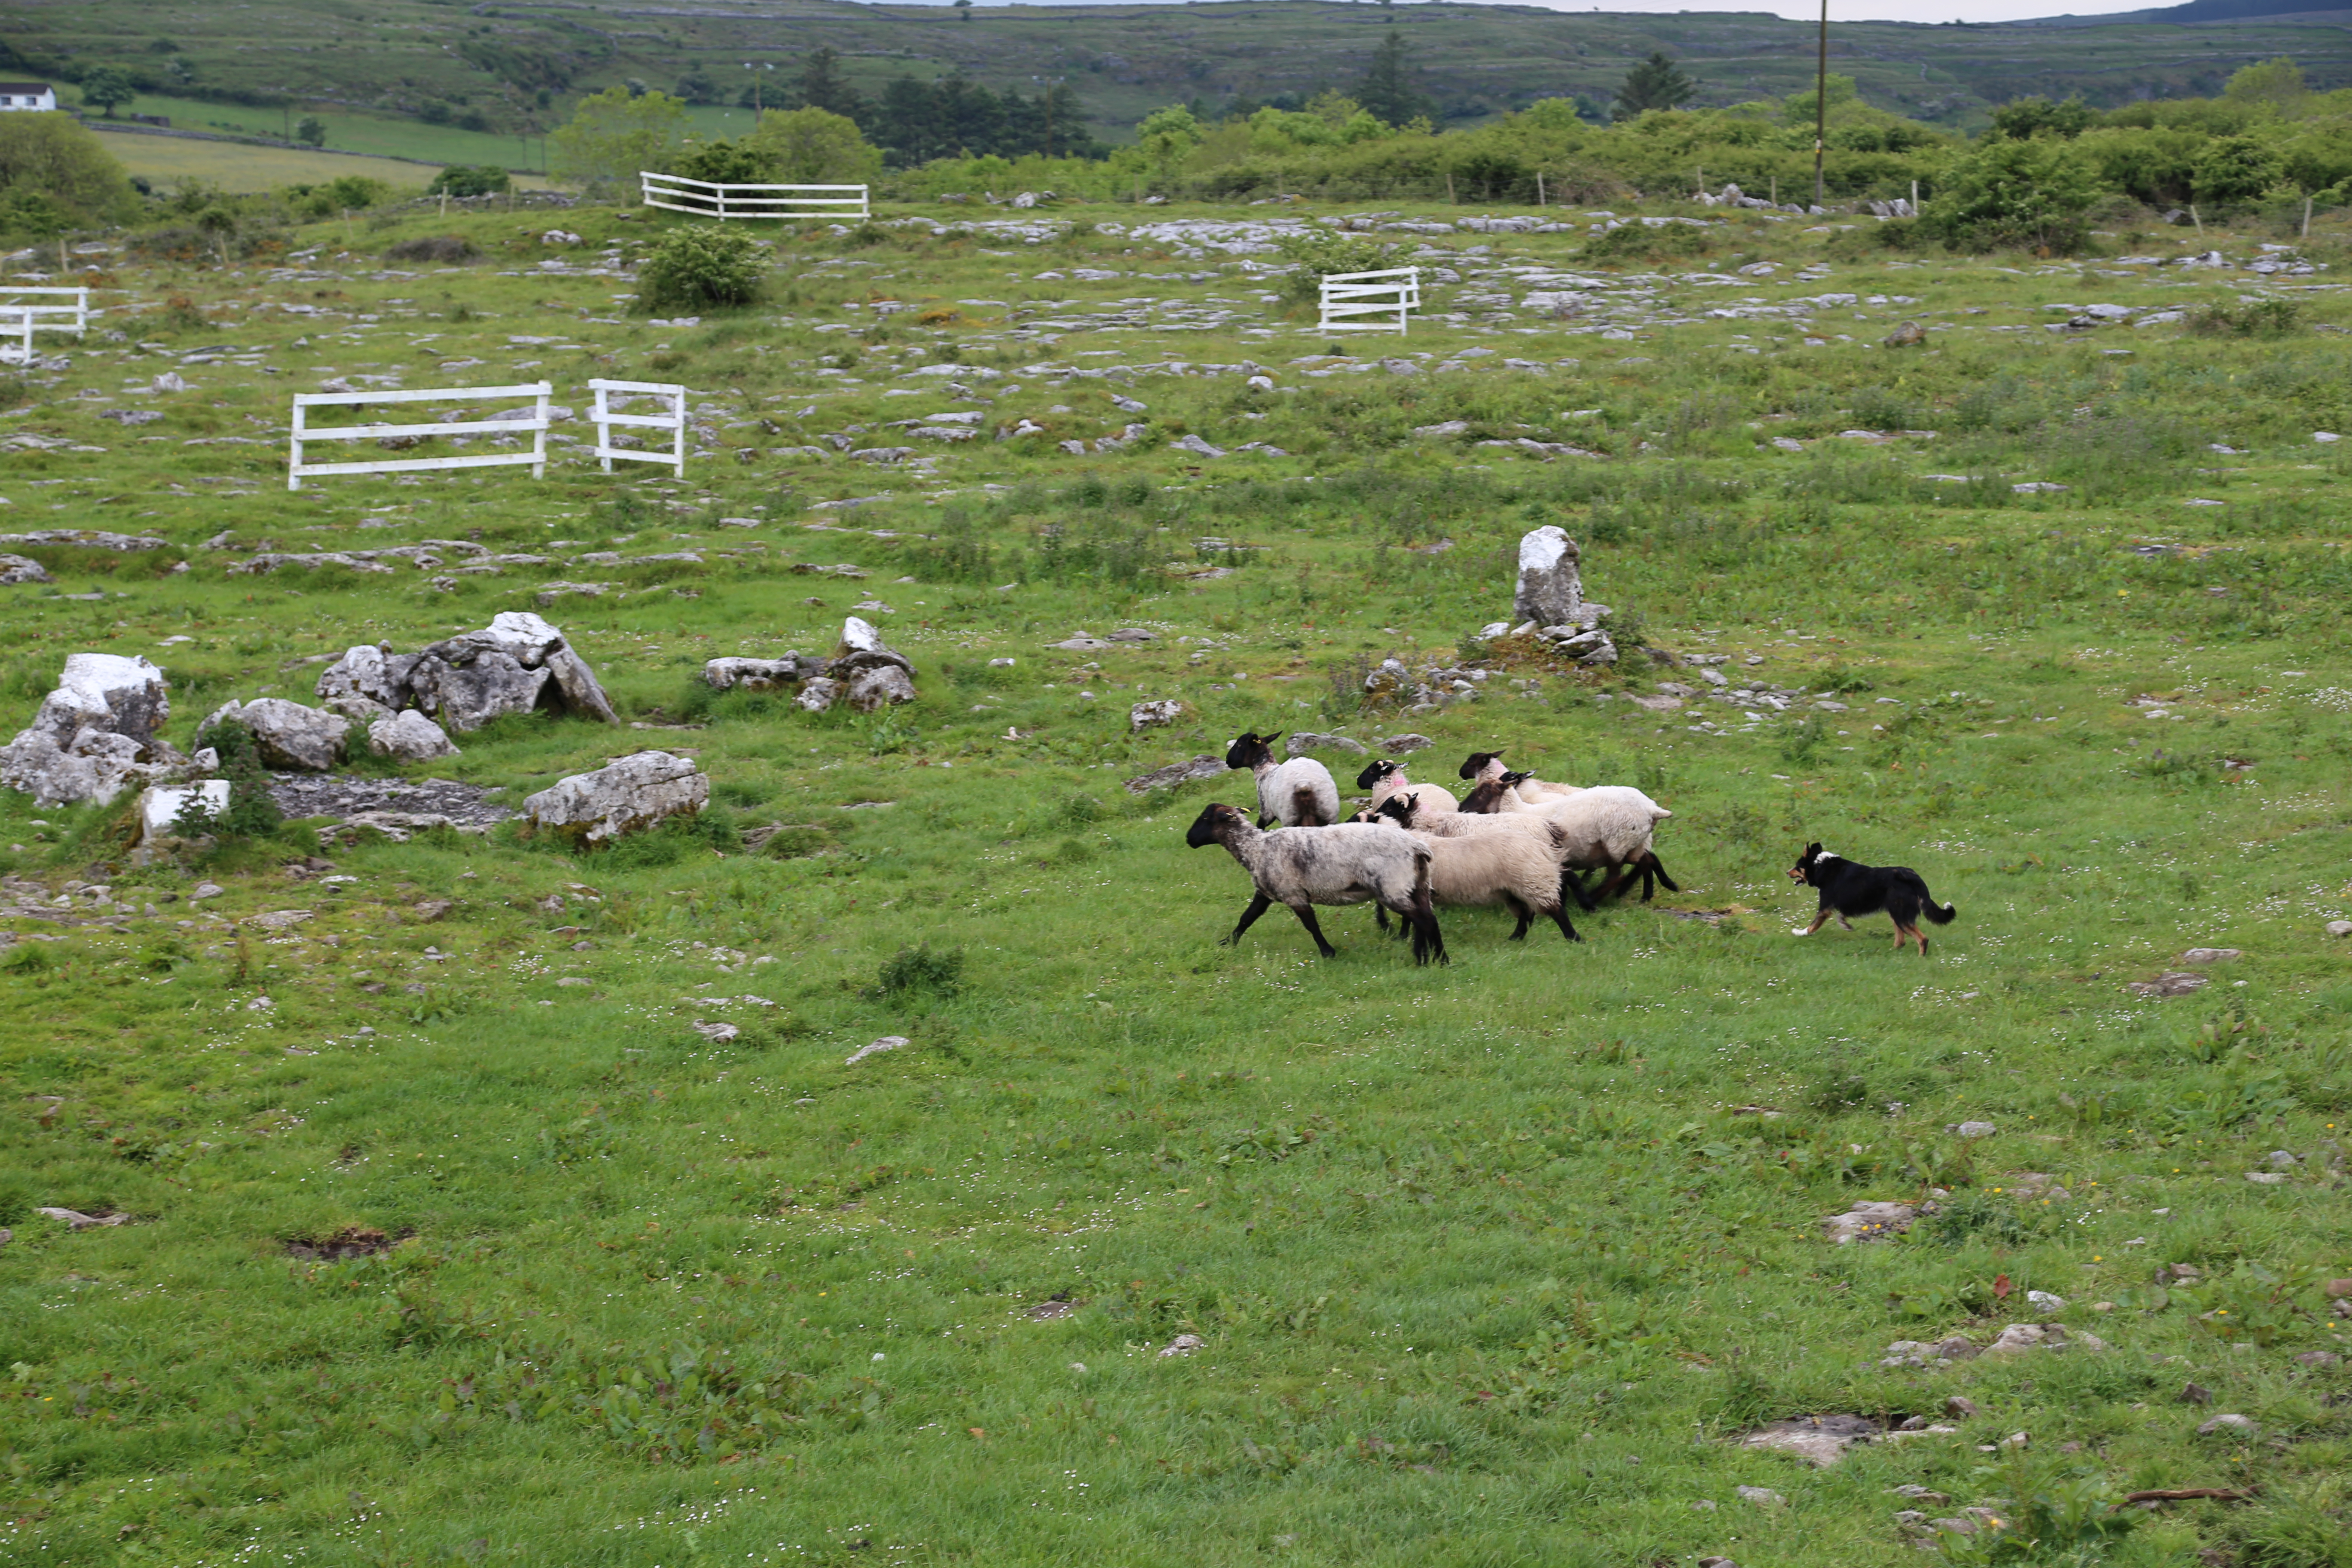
(1279, 785)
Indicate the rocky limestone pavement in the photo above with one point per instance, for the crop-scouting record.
(515, 665)
(409, 737)
(629, 794)
(286, 734)
(93, 734)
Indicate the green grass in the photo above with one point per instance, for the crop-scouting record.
(1493, 1262)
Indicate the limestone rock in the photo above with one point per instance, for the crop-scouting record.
(16, 569)
(881, 686)
(2019, 1338)
(875, 1049)
(410, 737)
(1551, 587)
(1176, 774)
(1868, 1222)
(2228, 1426)
(1820, 1440)
(94, 733)
(1398, 745)
(636, 791)
(159, 807)
(759, 674)
(866, 671)
(1145, 715)
(817, 695)
(287, 734)
(2171, 983)
(518, 663)
(1910, 335)
(1306, 742)
(368, 676)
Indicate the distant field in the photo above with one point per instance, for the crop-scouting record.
(350, 131)
(234, 167)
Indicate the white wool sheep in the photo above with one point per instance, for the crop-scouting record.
(1349, 863)
(1385, 778)
(1481, 766)
(1296, 793)
(1608, 828)
(1480, 869)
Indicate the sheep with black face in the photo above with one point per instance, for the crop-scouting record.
(1349, 863)
(1385, 778)
(1296, 793)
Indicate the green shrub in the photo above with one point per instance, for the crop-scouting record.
(1321, 251)
(2255, 319)
(2015, 195)
(1641, 242)
(470, 180)
(252, 812)
(919, 968)
(700, 266)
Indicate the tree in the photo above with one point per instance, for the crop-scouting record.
(2005, 194)
(2278, 83)
(1387, 90)
(2024, 118)
(822, 86)
(107, 86)
(697, 86)
(469, 180)
(1655, 83)
(963, 9)
(814, 147)
(2237, 168)
(702, 265)
(726, 163)
(312, 130)
(615, 135)
(65, 162)
(1167, 137)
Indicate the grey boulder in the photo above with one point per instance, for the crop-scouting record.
(18, 569)
(516, 663)
(1551, 590)
(409, 737)
(632, 794)
(759, 674)
(818, 694)
(94, 733)
(866, 671)
(286, 735)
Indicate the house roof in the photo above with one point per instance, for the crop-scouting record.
(13, 87)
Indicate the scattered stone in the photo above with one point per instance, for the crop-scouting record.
(1763, 1497)
(2018, 1339)
(1869, 1222)
(74, 1220)
(1922, 1353)
(1550, 588)
(409, 737)
(1146, 715)
(2043, 1302)
(388, 803)
(633, 792)
(1971, 1128)
(16, 570)
(718, 1033)
(887, 1043)
(1820, 1440)
(866, 671)
(2319, 1361)
(279, 920)
(2265, 1178)
(93, 734)
(1177, 775)
(206, 890)
(1910, 335)
(818, 693)
(1303, 743)
(2172, 982)
(2210, 954)
(430, 909)
(1443, 432)
(2228, 1425)
(2339, 927)
(2194, 1394)
(1057, 1305)
(1182, 1344)
(1959, 1407)
(1716, 1562)
(1398, 745)
(1191, 443)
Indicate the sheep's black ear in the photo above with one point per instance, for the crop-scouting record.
(1270, 740)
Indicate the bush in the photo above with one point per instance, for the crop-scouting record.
(1640, 242)
(727, 162)
(252, 812)
(1320, 252)
(701, 264)
(442, 248)
(919, 968)
(2255, 319)
(470, 180)
(2024, 195)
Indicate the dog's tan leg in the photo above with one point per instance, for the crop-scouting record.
(1819, 921)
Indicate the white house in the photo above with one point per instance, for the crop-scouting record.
(19, 96)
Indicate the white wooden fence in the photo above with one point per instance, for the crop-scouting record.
(705, 198)
(535, 427)
(22, 314)
(605, 417)
(1352, 299)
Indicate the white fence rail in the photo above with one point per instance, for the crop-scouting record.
(706, 198)
(606, 417)
(535, 427)
(22, 314)
(1370, 302)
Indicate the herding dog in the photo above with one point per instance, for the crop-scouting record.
(1850, 889)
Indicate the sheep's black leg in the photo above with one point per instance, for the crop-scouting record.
(1427, 940)
(1257, 906)
(1560, 915)
(1573, 885)
(1380, 918)
(1526, 916)
(1659, 866)
(1306, 914)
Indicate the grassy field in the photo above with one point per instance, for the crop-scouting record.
(236, 167)
(370, 70)
(1493, 1263)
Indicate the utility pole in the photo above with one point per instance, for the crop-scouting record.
(1820, 103)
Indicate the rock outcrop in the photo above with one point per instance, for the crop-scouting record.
(1550, 600)
(516, 663)
(760, 674)
(95, 733)
(633, 792)
(286, 734)
(865, 671)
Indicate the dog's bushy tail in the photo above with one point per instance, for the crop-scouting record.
(1941, 914)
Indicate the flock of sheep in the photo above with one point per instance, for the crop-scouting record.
(1513, 841)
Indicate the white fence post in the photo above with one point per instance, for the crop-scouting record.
(1349, 298)
(708, 199)
(21, 313)
(302, 433)
(674, 422)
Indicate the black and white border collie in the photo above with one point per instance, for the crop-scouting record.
(1848, 888)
